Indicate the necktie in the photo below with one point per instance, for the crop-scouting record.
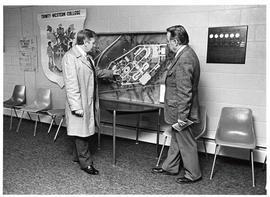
(95, 78)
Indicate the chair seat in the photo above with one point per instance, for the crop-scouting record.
(236, 139)
(236, 145)
(56, 112)
(11, 103)
(34, 108)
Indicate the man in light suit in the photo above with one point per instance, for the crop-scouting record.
(82, 103)
(181, 104)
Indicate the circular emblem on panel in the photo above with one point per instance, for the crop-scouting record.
(126, 69)
(211, 36)
(231, 35)
(226, 35)
(237, 35)
(216, 36)
(221, 35)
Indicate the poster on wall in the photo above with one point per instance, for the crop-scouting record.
(57, 33)
(227, 45)
(140, 58)
(28, 53)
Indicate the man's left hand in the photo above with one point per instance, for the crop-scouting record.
(181, 122)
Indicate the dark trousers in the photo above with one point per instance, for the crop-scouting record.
(81, 151)
(183, 147)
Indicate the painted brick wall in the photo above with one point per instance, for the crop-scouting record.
(220, 85)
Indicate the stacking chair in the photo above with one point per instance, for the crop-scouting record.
(41, 103)
(54, 113)
(235, 129)
(264, 163)
(18, 98)
(199, 130)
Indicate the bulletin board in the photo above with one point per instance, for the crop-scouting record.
(141, 59)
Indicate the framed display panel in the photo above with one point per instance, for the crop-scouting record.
(57, 35)
(227, 44)
(141, 60)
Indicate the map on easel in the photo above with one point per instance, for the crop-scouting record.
(141, 60)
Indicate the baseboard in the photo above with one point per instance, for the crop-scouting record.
(149, 136)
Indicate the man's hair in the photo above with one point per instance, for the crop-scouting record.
(83, 34)
(179, 33)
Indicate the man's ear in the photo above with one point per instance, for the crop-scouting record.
(176, 42)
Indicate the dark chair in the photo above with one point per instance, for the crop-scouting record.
(235, 129)
(199, 130)
(18, 98)
(41, 103)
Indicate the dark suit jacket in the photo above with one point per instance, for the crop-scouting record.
(181, 95)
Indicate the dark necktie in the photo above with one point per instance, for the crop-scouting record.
(95, 78)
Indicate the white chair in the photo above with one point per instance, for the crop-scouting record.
(41, 103)
(235, 129)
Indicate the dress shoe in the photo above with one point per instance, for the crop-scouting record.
(161, 171)
(91, 170)
(184, 180)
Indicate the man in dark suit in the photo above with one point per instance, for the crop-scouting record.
(180, 105)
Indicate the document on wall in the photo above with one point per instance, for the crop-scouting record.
(177, 127)
(28, 53)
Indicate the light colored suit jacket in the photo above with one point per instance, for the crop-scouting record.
(80, 83)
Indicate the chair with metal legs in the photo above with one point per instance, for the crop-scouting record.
(18, 98)
(199, 130)
(55, 113)
(41, 103)
(264, 163)
(235, 129)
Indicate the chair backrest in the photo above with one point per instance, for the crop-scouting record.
(43, 98)
(235, 128)
(200, 128)
(19, 95)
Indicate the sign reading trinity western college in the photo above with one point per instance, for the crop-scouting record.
(57, 33)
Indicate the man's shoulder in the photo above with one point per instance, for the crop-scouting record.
(188, 50)
(189, 54)
(71, 52)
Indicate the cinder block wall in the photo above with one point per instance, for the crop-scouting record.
(220, 85)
